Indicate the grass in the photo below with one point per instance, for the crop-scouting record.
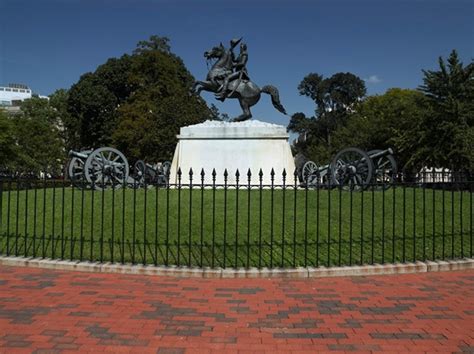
(237, 228)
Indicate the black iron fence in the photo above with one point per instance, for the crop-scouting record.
(420, 217)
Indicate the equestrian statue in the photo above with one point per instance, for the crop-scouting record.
(228, 78)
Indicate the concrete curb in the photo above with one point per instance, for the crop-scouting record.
(173, 271)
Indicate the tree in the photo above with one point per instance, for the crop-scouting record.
(449, 131)
(59, 102)
(393, 120)
(155, 43)
(37, 137)
(136, 103)
(8, 150)
(151, 117)
(94, 100)
(335, 98)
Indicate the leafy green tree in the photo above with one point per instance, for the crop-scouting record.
(136, 102)
(449, 132)
(8, 150)
(151, 117)
(155, 43)
(335, 98)
(59, 102)
(37, 133)
(93, 103)
(394, 120)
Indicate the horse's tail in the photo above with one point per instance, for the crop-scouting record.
(273, 91)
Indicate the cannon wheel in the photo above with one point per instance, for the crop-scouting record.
(385, 169)
(351, 169)
(75, 172)
(310, 174)
(107, 168)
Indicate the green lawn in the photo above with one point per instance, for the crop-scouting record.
(314, 227)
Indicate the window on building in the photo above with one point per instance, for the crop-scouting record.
(2, 89)
(8, 89)
(15, 90)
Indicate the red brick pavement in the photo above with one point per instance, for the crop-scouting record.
(53, 311)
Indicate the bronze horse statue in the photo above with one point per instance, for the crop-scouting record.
(246, 91)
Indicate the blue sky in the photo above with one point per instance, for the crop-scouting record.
(48, 44)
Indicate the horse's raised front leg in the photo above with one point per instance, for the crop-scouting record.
(199, 86)
(246, 111)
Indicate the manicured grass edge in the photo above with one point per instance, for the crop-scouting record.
(364, 270)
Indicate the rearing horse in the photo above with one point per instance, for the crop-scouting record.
(246, 91)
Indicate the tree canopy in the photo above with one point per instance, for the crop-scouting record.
(448, 137)
(335, 98)
(31, 141)
(136, 103)
(432, 126)
(394, 120)
(8, 151)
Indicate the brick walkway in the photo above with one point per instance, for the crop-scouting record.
(52, 311)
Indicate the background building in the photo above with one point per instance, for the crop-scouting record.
(13, 94)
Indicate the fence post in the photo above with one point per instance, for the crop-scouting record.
(295, 186)
(190, 215)
(123, 221)
(249, 181)
(34, 216)
(25, 241)
(179, 218)
(272, 178)
(225, 217)
(443, 171)
(260, 178)
(305, 246)
(63, 207)
(145, 200)
(213, 246)
(283, 219)
(72, 240)
(17, 212)
(202, 217)
(91, 257)
(237, 175)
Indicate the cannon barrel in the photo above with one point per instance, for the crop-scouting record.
(388, 151)
(78, 154)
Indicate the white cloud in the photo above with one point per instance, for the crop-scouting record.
(373, 79)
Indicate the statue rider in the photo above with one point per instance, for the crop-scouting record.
(239, 67)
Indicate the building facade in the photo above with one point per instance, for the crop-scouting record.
(13, 94)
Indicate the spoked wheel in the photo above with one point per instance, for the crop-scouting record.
(385, 170)
(76, 172)
(310, 174)
(351, 169)
(106, 168)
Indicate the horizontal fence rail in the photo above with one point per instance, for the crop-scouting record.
(416, 218)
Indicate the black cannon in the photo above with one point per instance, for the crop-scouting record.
(352, 169)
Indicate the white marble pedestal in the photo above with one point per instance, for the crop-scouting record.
(245, 145)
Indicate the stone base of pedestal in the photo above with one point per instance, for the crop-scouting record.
(215, 145)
